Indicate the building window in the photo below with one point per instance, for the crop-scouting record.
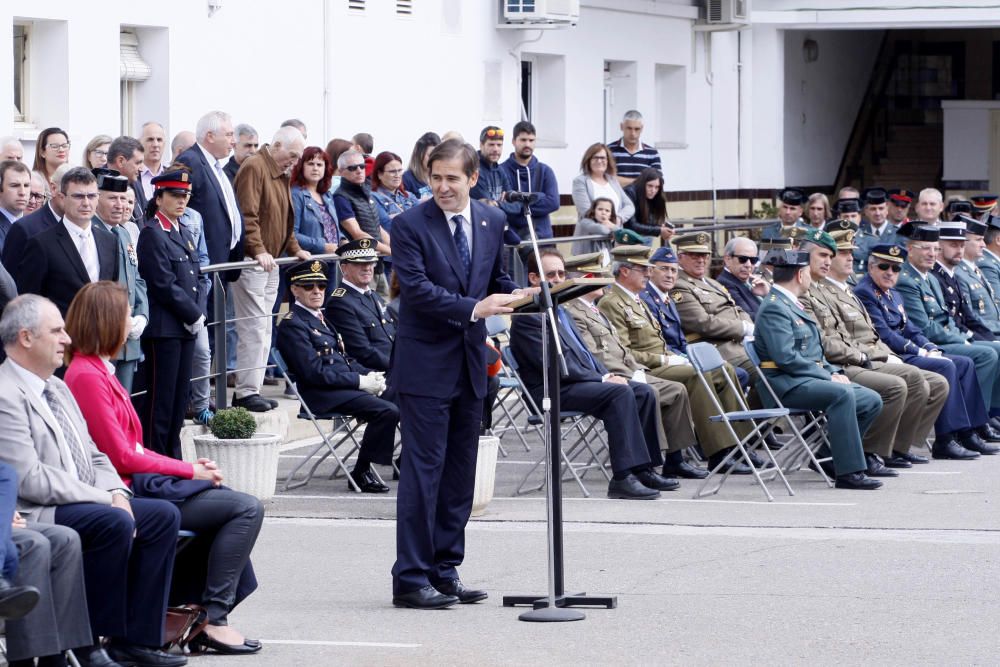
(20, 73)
(526, 105)
(133, 71)
(543, 93)
(671, 107)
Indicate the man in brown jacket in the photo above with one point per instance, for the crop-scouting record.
(262, 190)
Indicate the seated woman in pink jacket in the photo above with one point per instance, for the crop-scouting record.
(214, 570)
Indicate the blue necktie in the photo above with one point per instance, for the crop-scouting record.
(462, 244)
(574, 338)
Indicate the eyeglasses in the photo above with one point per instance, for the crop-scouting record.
(83, 196)
(895, 268)
(355, 167)
(743, 259)
(58, 147)
(97, 151)
(311, 287)
(555, 274)
(37, 196)
(494, 133)
(599, 158)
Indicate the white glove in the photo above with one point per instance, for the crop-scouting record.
(196, 327)
(372, 383)
(922, 352)
(138, 326)
(677, 360)
(747, 329)
(639, 376)
(893, 359)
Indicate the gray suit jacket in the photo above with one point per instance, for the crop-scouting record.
(28, 442)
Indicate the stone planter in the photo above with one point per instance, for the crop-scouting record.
(249, 465)
(486, 473)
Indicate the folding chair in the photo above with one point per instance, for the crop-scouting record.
(577, 427)
(511, 391)
(802, 447)
(342, 431)
(706, 358)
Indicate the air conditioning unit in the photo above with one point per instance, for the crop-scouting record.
(727, 12)
(536, 14)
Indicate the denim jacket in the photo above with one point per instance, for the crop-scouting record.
(309, 223)
(391, 204)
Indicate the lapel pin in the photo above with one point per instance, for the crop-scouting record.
(482, 222)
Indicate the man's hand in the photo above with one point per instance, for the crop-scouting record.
(526, 291)
(18, 521)
(759, 286)
(121, 502)
(196, 327)
(495, 304)
(666, 233)
(840, 379)
(303, 254)
(615, 379)
(266, 261)
(372, 383)
(934, 353)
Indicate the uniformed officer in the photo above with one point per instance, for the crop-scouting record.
(964, 408)
(640, 331)
(976, 290)
(925, 305)
(908, 405)
(790, 202)
(788, 343)
(708, 312)
(958, 207)
(989, 263)
(168, 262)
(984, 204)
(329, 380)
(848, 209)
(360, 314)
(112, 212)
(875, 228)
(602, 340)
(900, 200)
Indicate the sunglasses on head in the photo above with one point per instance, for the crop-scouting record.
(309, 287)
(743, 259)
(355, 167)
(895, 268)
(494, 133)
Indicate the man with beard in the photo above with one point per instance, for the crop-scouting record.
(526, 174)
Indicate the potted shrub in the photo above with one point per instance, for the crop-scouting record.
(248, 460)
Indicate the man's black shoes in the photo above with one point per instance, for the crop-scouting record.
(142, 656)
(652, 480)
(368, 482)
(16, 601)
(947, 448)
(94, 656)
(427, 597)
(878, 469)
(253, 403)
(735, 465)
(974, 443)
(858, 481)
(685, 470)
(455, 588)
(630, 488)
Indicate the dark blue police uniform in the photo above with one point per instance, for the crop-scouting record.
(365, 324)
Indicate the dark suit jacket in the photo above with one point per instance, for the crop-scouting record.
(526, 344)
(208, 199)
(741, 294)
(51, 264)
(436, 341)
(24, 229)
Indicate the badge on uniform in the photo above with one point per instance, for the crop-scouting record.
(482, 222)
(677, 296)
(339, 292)
(132, 257)
(190, 245)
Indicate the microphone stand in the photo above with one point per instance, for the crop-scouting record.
(554, 607)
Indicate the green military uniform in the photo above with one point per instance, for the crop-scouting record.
(791, 354)
(708, 313)
(640, 332)
(980, 294)
(602, 340)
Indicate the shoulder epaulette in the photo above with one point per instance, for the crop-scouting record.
(339, 292)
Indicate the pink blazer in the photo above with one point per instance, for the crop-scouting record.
(113, 423)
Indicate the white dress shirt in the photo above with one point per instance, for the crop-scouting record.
(83, 239)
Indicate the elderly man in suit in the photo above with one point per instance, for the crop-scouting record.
(112, 212)
(448, 256)
(128, 543)
(747, 288)
(63, 258)
(601, 338)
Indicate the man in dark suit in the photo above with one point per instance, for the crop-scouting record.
(448, 257)
(128, 543)
(59, 261)
(739, 259)
(32, 224)
(358, 312)
(329, 379)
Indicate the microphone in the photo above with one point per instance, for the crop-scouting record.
(526, 197)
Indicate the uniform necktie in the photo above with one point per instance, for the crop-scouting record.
(84, 467)
(462, 244)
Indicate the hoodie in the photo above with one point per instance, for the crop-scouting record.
(539, 178)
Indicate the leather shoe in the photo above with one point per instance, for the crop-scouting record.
(772, 443)
(630, 488)
(142, 656)
(16, 601)
(858, 481)
(737, 466)
(653, 480)
(897, 461)
(915, 459)
(974, 443)
(203, 644)
(456, 588)
(994, 422)
(368, 482)
(878, 469)
(685, 470)
(253, 403)
(759, 462)
(988, 433)
(827, 467)
(947, 448)
(270, 381)
(427, 597)
(94, 656)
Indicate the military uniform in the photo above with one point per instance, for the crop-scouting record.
(602, 340)
(365, 323)
(640, 332)
(979, 294)
(788, 344)
(989, 266)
